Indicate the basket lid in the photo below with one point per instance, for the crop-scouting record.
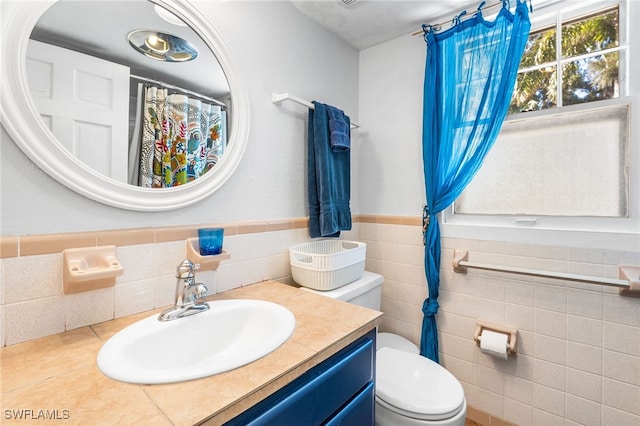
(326, 247)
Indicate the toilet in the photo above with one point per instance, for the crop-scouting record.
(411, 390)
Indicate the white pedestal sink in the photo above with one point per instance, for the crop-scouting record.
(229, 335)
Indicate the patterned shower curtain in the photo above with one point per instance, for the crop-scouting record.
(182, 138)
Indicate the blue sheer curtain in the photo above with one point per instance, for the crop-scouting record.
(469, 78)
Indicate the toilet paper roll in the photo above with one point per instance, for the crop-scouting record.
(494, 344)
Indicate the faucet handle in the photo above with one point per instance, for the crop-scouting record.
(200, 291)
(186, 269)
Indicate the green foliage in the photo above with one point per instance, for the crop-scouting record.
(584, 79)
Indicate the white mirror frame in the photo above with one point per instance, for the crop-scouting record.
(21, 119)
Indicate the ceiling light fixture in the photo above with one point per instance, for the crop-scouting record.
(161, 46)
(156, 44)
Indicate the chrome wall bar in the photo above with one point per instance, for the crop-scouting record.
(460, 262)
(278, 98)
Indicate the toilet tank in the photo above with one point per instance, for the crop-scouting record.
(366, 291)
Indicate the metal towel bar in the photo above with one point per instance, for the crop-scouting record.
(460, 262)
(277, 98)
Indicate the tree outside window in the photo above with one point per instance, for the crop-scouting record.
(580, 67)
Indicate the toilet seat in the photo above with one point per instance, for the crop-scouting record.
(414, 386)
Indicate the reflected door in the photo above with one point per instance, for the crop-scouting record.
(84, 101)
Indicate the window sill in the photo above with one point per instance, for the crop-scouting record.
(609, 240)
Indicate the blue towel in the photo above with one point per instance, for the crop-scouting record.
(329, 179)
(339, 129)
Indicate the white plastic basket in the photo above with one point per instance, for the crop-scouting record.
(327, 264)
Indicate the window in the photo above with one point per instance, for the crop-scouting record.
(562, 160)
(584, 156)
(575, 63)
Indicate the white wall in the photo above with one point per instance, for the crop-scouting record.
(275, 49)
(391, 79)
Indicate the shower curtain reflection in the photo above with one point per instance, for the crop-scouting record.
(180, 139)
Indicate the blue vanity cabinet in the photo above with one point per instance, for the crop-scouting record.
(339, 391)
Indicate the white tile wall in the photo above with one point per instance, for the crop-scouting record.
(91, 307)
(578, 356)
(34, 318)
(578, 359)
(33, 304)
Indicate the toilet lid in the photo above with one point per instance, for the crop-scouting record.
(396, 342)
(415, 386)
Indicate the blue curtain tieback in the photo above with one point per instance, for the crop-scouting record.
(430, 307)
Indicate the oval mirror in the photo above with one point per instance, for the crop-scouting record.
(103, 147)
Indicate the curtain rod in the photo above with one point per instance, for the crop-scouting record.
(171, 86)
(463, 13)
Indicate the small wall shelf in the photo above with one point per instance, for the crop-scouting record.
(206, 263)
(89, 268)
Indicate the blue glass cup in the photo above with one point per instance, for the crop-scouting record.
(210, 241)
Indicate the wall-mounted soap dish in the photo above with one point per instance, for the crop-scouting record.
(206, 263)
(90, 268)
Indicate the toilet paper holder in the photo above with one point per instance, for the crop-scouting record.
(512, 334)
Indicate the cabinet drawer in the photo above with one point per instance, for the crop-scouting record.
(320, 393)
(359, 411)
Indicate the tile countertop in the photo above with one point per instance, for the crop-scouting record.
(56, 377)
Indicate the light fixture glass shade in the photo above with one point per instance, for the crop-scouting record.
(162, 46)
(156, 44)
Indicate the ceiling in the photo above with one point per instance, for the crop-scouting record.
(84, 25)
(100, 28)
(365, 23)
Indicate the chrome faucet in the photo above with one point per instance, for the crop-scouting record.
(189, 294)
